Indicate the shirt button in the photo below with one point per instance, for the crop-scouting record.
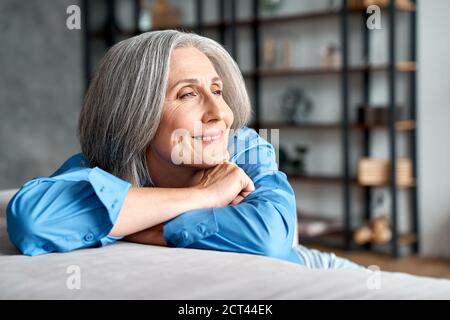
(185, 235)
(201, 228)
(89, 237)
(102, 189)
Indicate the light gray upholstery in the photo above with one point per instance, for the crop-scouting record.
(5, 196)
(132, 271)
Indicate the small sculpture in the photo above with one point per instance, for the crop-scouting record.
(299, 163)
(295, 106)
(331, 57)
(278, 51)
(271, 6)
(377, 231)
(381, 233)
(296, 165)
(286, 61)
(269, 52)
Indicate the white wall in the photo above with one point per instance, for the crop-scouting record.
(434, 129)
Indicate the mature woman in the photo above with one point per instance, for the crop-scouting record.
(165, 161)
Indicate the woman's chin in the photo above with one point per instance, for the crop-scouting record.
(202, 166)
(209, 161)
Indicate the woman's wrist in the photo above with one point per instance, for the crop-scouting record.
(201, 198)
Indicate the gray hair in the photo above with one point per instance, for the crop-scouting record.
(123, 105)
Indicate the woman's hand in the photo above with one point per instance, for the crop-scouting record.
(144, 207)
(224, 184)
(219, 186)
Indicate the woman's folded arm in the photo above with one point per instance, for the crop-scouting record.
(80, 207)
(72, 210)
(264, 223)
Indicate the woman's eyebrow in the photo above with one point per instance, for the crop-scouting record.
(193, 80)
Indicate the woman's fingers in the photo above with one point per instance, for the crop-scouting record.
(248, 185)
(226, 184)
(237, 200)
(240, 197)
(245, 194)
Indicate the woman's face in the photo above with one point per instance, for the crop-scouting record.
(195, 123)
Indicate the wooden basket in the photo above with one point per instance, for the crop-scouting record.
(363, 4)
(376, 172)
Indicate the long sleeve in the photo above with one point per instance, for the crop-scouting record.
(74, 208)
(264, 223)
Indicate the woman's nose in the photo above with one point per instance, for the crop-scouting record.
(213, 108)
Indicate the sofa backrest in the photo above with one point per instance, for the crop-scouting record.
(5, 196)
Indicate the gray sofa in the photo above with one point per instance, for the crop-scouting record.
(133, 271)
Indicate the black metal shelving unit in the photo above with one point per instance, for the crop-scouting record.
(346, 192)
(229, 27)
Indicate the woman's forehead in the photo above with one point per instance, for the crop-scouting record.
(190, 63)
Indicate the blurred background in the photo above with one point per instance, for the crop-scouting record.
(358, 89)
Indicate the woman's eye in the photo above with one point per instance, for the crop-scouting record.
(218, 92)
(186, 95)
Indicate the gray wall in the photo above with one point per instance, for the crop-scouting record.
(40, 88)
(434, 130)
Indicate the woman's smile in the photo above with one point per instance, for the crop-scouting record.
(210, 136)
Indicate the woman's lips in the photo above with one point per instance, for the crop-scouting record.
(210, 136)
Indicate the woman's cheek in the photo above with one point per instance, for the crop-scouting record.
(230, 117)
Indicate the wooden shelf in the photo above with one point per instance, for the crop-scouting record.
(399, 5)
(385, 185)
(241, 23)
(328, 179)
(316, 14)
(262, 72)
(317, 178)
(268, 20)
(402, 125)
(304, 16)
(337, 239)
(405, 66)
(303, 126)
